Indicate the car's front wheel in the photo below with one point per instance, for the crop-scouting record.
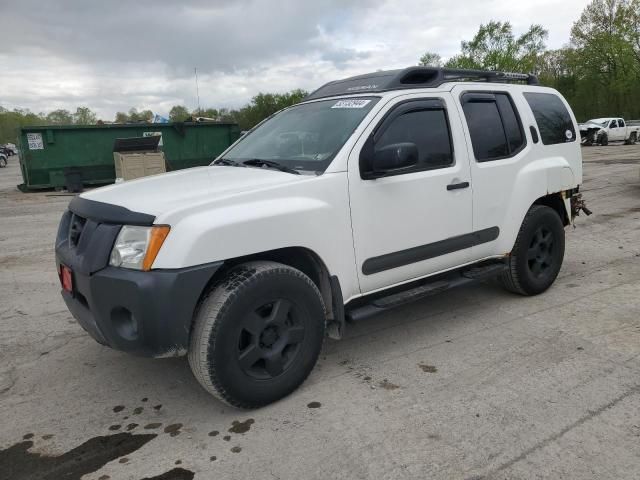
(257, 334)
(536, 258)
(632, 139)
(603, 139)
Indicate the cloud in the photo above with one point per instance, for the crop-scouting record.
(214, 35)
(114, 55)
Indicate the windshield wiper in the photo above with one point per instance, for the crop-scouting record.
(258, 162)
(228, 162)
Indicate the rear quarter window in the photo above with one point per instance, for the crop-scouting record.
(494, 126)
(552, 117)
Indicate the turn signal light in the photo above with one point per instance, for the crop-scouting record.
(156, 239)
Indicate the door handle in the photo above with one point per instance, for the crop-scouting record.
(456, 186)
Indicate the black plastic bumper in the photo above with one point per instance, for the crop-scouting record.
(145, 313)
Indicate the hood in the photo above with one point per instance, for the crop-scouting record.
(586, 125)
(160, 193)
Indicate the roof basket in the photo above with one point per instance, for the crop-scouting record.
(416, 77)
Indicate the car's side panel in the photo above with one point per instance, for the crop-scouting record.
(616, 132)
(504, 190)
(313, 214)
(316, 212)
(410, 225)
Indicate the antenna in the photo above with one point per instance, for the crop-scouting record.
(197, 90)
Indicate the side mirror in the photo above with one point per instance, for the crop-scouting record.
(396, 156)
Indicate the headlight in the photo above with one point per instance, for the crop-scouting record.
(137, 247)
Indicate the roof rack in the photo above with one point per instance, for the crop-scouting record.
(416, 77)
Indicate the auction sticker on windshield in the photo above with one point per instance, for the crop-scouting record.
(351, 103)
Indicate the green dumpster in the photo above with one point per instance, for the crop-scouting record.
(48, 152)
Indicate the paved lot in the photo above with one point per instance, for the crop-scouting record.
(475, 383)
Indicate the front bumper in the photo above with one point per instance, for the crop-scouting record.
(146, 313)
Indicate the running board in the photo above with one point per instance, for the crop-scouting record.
(414, 293)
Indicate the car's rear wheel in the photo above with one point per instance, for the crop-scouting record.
(3, 162)
(257, 334)
(537, 255)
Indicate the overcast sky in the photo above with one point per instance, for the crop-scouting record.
(111, 55)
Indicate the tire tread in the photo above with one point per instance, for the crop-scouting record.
(211, 311)
(510, 278)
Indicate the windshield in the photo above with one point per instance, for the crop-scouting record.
(599, 121)
(303, 137)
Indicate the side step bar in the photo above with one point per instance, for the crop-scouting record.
(425, 288)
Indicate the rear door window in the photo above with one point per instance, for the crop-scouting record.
(510, 121)
(552, 117)
(494, 125)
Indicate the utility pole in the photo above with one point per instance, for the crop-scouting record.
(197, 90)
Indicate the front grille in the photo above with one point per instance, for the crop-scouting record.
(83, 244)
(76, 226)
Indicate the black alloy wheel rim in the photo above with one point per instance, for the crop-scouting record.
(540, 253)
(270, 339)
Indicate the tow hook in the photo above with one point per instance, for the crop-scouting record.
(577, 204)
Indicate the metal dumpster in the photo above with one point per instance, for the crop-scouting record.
(48, 152)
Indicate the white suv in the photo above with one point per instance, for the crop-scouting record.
(374, 191)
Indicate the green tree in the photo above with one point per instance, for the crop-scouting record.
(226, 115)
(133, 115)
(633, 26)
(146, 116)
(179, 113)
(495, 47)
(84, 116)
(207, 113)
(606, 40)
(59, 117)
(12, 120)
(557, 69)
(121, 117)
(430, 59)
(264, 105)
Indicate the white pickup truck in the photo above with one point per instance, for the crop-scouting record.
(602, 131)
(374, 191)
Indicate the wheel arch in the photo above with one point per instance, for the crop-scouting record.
(309, 263)
(557, 202)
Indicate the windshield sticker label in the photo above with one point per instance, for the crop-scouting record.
(568, 134)
(351, 104)
(34, 140)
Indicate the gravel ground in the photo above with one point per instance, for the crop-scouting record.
(474, 383)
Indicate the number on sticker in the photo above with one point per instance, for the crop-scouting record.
(351, 104)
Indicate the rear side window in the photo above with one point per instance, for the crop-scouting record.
(552, 117)
(621, 122)
(494, 125)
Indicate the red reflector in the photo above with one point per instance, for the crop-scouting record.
(66, 278)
